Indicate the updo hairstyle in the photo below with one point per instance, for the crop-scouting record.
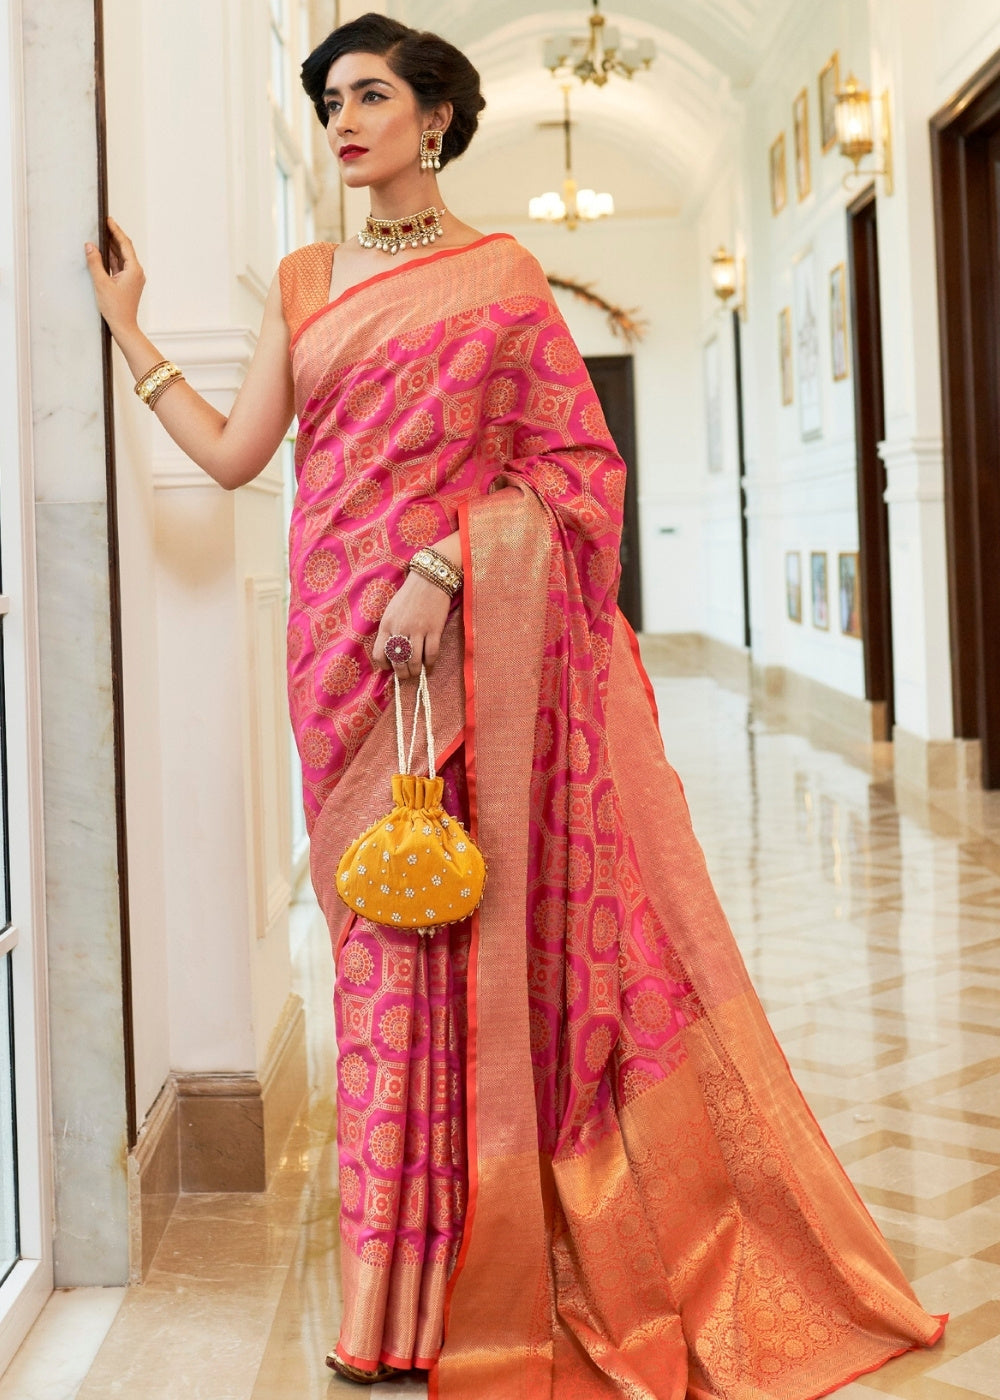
(435, 70)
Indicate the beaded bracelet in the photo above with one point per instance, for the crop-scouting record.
(437, 569)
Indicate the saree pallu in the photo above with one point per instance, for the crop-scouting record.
(644, 1205)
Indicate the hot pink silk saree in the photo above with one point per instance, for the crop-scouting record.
(573, 1161)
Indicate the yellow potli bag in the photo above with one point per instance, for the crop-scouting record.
(418, 867)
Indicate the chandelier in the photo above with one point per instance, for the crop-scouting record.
(594, 57)
(573, 205)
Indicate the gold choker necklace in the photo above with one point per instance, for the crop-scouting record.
(389, 235)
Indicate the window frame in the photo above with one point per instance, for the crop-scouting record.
(29, 1283)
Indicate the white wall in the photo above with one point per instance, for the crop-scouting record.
(904, 57)
(192, 178)
(802, 492)
(722, 221)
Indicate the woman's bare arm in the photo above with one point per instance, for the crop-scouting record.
(232, 450)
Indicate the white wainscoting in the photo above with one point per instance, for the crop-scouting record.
(268, 817)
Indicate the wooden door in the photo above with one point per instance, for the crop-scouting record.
(965, 142)
(612, 376)
(869, 415)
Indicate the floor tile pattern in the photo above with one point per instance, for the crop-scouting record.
(870, 921)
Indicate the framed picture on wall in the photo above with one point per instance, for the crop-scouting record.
(713, 405)
(785, 356)
(793, 585)
(803, 170)
(829, 82)
(849, 594)
(807, 347)
(820, 591)
(779, 176)
(838, 322)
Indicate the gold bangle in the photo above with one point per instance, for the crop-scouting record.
(141, 383)
(155, 395)
(155, 380)
(437, 569)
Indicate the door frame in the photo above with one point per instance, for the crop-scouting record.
(875, 576)
(967, 304)
(625, 441)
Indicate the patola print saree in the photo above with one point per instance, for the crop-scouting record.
(573, 1161)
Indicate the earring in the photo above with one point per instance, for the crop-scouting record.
(430, 150)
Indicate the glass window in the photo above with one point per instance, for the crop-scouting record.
(279, 87)
(25, 1208)
(307, 114)
(284, 211)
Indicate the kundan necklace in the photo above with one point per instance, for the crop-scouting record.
(389, 235)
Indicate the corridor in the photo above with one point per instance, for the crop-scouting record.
(869, 921)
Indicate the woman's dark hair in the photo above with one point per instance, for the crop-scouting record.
(435, 70)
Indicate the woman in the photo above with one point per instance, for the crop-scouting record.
(573, 1161)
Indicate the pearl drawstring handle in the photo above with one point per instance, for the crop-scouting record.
(423, 698)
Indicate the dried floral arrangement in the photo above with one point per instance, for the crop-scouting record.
(623, 322)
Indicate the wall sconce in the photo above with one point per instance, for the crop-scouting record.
(855, 135)
(729, 279)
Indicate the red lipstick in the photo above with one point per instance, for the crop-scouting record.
(352, 152)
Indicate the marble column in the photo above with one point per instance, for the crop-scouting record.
(74, 600)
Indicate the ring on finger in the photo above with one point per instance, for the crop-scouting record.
(398, 650)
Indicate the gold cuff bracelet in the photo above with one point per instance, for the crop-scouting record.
(437, 569)
(154, 381)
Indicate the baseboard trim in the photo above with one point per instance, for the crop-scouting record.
(937, 764)
(823, 714)
(696, 654)
(215, 1132)
(153, 1181)
(789, 695)
(220, 1129)
(777, 692)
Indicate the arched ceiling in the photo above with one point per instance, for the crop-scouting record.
(667, 122)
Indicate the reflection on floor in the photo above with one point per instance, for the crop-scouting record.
(871, 928)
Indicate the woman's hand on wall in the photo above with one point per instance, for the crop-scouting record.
(232, 449)
(419, 611)
(118, 287)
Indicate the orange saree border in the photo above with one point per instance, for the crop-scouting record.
(390, 272)
(471, 1042)
(493, 1312)
(455, 282)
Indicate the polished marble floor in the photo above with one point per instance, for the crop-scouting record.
(870, 921)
